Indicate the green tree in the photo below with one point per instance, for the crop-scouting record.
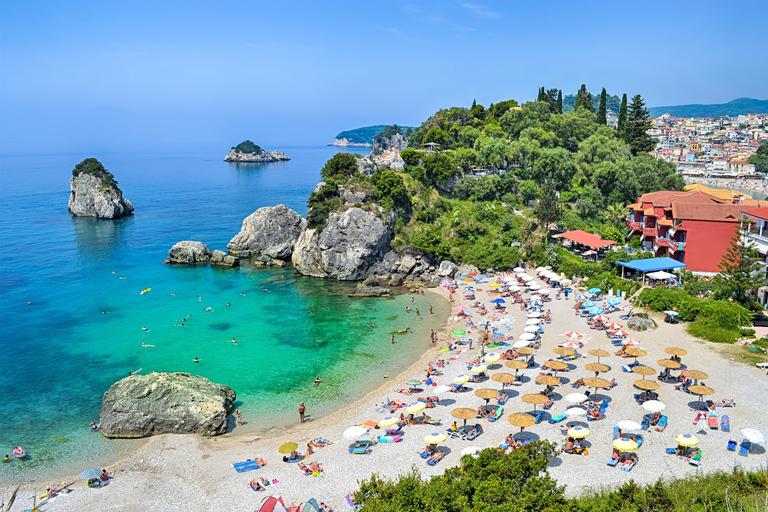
(583, 99)
(477, 111)
(638, 124)
(601, 111)
(616, 213)
(760, 159)
(95, 168)
(555, 164)
(559, 102)
(340, 165)
(540, 97)
(548, 210)
(391, 188)
(742, 269)
(621, 125)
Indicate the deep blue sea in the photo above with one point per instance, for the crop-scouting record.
(60, 354)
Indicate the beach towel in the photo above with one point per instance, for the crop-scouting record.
(712, 421)
(661, 424)
(744, 448)
(725, 423)
(612, 462)
(249, 465)
(557, 419)
(628, 468)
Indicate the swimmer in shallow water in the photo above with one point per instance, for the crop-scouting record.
(134, 373)
(233, 340)
(196, 360)
(144, 328)
(145, 345)
(208, 309)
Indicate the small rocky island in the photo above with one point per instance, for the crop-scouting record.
(247, 151)
(95, 192)
(162, 403)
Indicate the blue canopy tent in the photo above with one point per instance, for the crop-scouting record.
(650, 265)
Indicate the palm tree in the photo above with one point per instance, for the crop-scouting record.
(616, 212)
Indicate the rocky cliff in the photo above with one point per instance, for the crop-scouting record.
(345, 143)
(237, 156)
(269, 233)
(90, 197)
(385, 153)
(189, 251)
(159, 403)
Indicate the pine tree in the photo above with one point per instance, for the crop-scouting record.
(638, 124)
(621, 126)
(560, 101)
(742, 267)
(583, 99)
(601, 112)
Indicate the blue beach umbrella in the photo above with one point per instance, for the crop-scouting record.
(482, 276)
(534, 309)
(595, 311)
(581, 298)
(536, 303)
(461, 276)
(588, 304)
(671, 313)
(593, 290)
(499, 301)
(614, 302)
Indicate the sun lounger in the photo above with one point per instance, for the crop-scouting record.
(671, 451)
(549, 404)
(612, 461)
(359, 450)
(479, 428)
(503, 399)
(242, 467)
(727, 403)
(557, 419)
(744, 448)
(393, 431)
(725, 423)
(390, 439)
(646, 422)
(439, 455)
(432, 421)
(661, 424)
(455, 432)
(628, 468)
(712, 421)
(626, 369)
(731, 447)
(352, 505)
(426, 454)
(497, 412)
(616, 432)
(538, 416)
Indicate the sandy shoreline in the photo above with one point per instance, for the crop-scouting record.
(189, 473)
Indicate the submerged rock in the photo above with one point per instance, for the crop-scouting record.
(189, 252)
(269, 233)
(160, 403)
(94, 192)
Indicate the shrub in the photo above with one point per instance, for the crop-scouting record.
(95, 168)
(248, 147)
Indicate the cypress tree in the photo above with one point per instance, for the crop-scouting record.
(541, 94)
(621, 126)
(583, 99)
(638, 124)
(601, 113)
(560, 101)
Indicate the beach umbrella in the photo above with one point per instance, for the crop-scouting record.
(603, 318)
(494, 285)
(389, 421)
(578, 432)
(458, 332)
(596, 367)
(539, 269)
(701, 390)
(654, 406)
(480, 368)
(533, 309)
(531, 328)
(556, 278)
(647, 385)
(492, 357)
(614, 302)
(535, 287)
(537, 303)
(440, 390)
(571, 345)
(518, 270)
(574, 334)
(464, 413)
(576, 398)
(625, 444)
(92, 473)
(695, 374)
(461, 379)
(595, 382)
(435, 438)
(311, 506)
(412, 382)
(631, 342)
(672, 313)
(675, 351)
(687, 440)
(487, 394)
(415, 408)
(351, 433)
(514, 288)
(566, 282)
(547, 380)
(534, 314)
(533, 321)
(752, 435)
(517, 365)
(272, 503)
(527, 278)
(504, 378)
(498, 301)
(535, 399)
(635, 352)
(526, 351)
(588, 304)
(470, 450)
(461, 308)
(643, 370)
(595, 311)
(524, 341)
(668, 363)
(593, 290)
(620, 332)
(599, 353)
(629, 425)
(289, 447)
(613, 325)
(563, 351)
(575, 411)
(510, 279)
(556, 365)
(527, 336)
(521, 419)
(581, 298)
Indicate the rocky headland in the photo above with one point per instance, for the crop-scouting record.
(247, 151)
(345, 143)
(160, 403)
(94, 192)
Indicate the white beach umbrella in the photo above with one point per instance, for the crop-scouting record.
(518, 269)
(533, 321)
(629, 425)
(535, 287)
(514, 288)
(521, 343)
(566, 282)
(540, 268)
(355, 432)
(510, 279)
(527, 336)
(535, 314)
(527, 278)
(752, 435)
(555, 278)
(440, 389)
(654, 406)
(576, 398)
(531, 328)
(575, 411)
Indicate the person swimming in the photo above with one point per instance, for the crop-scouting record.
(143, 328)
(196, 360)
(145, 345)
(134, 373)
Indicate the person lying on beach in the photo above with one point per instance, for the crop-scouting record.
(482, 413)
(631, 459)
(655, 419)
(319, 442)
(351, 498)
(258, 485)
(404, 391)
(309, 451)
(305, 469)
(436, 457)
(578, 383)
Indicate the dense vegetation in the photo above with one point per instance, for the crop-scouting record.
(248, 147)
(95, 168)
(612, 102)
(736, 107)
(760, 159)
(366, 134)
(519, 481)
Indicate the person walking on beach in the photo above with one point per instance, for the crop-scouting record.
(430, 309)
(239, 416)
(393, 339)
(302, 411)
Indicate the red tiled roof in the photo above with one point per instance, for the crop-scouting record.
(585, 238)
(708, 212)
(760, 213)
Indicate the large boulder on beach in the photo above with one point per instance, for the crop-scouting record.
(94, 192)
(352, 246)
(162, 403)
(269, 233)
(189, 251)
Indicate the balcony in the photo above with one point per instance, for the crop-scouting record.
(634, 224)
(760, 241)
(664, 242)
(649, 231)
(675, 246)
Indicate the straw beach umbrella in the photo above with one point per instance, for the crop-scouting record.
(647, 385)
(598, 353)
(516, 365)
(547, 380)
(464, 413)
(597, 368)
(668, 363)
(487, 394)
(556, 366)
(526, 351)
(675, 351)
(643, 370)
(522, 420)
(636, 352)
(535, 399)
(563, 351)
(695, 374)
(594, 382)
(701, 391)
(504, 378)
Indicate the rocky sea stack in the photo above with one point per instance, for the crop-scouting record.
(95, 192)
(268, 234)
(162, 403)
(247, 151)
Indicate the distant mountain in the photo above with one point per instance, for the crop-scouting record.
(361, 137)
(732, 108)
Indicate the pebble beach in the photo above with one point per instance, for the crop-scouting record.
(188, 473)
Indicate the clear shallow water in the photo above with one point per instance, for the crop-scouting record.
(60, 354)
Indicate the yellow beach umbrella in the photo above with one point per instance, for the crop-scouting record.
(578, 432)
(435, 438)
(389, 421)
(415, 408)
(461, 379)
(492, 357)
(288, 447)
(675, 351)
(480, 368)
(625, 444)
(467, 280)
(687, 440)
(494, 285)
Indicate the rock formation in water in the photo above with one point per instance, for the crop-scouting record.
(159, 403)
(95, 192)
(269, 233)
(189, 252)
(222, 259)
(247, 151)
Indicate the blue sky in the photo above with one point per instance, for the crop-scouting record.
(109, 75)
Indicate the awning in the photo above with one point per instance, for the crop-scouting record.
(659, 275)
(584, 238)
(652, 264)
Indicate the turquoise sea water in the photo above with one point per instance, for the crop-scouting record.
(60, 354)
